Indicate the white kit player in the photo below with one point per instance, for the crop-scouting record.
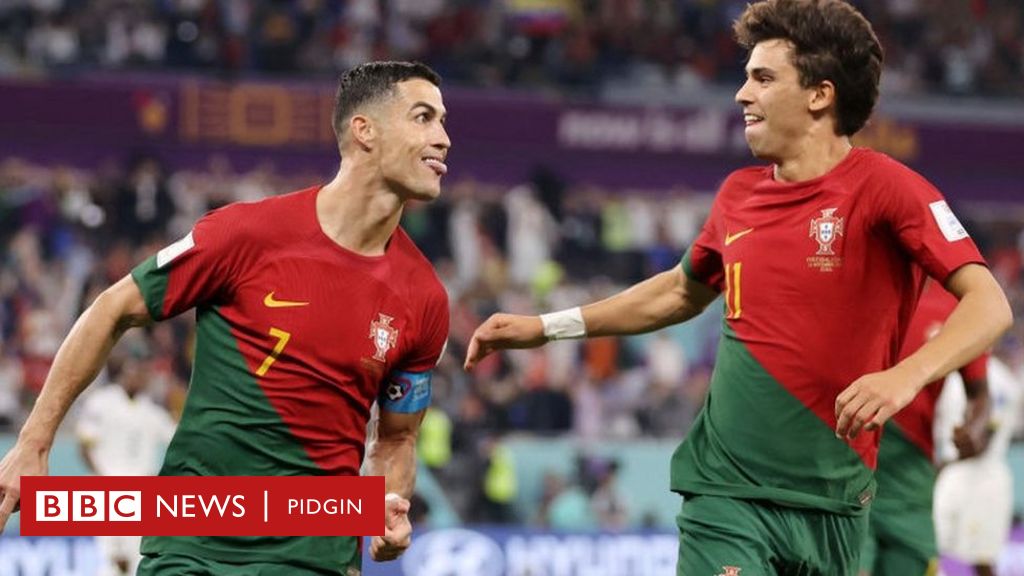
(122, 432)
(974, 497)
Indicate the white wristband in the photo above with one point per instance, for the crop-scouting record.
(564, 324)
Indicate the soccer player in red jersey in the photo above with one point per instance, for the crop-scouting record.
(310, 307)
(902, 532)
(820, 257)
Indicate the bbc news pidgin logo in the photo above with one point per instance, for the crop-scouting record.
(89, 506)
(202, 506)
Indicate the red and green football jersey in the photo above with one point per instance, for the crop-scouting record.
(819, 282)
(906, 472)
(295, 339)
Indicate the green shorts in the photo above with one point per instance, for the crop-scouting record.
(721, 536)
(184, 565)
(900, 543)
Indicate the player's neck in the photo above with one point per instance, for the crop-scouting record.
(813, 158)
(358, 214)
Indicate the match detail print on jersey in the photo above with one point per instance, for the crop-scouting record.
(164, 256)
(948, 223)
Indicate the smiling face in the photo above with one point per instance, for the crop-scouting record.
(777, 111)
(412, 143)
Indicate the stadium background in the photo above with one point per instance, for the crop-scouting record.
(588, 138)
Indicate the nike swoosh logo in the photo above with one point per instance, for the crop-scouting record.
(270, 302)
(730, 238)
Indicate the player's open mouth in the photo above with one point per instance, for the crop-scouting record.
(751, 119)
(436, 165)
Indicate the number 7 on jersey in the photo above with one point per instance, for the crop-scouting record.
(282, 341)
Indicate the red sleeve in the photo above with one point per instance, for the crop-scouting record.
(976, 369)
(703, 259)
(925, 225)
(433, 335)
(199, 268)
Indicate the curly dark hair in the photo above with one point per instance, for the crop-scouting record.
(372, 81)
(832, 41)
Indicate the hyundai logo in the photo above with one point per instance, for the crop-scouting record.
(454, 552)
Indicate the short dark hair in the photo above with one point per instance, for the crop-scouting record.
(372, 81)
(832, 41)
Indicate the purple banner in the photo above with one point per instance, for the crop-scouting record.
(476, 550)
(496, 137)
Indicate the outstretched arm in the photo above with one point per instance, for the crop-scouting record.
(391, 452)
(980, 317)
(662, 300)
(77, 363)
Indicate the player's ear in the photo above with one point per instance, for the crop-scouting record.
(822, 96)
(363, 131)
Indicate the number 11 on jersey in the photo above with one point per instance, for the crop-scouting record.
(733, 309)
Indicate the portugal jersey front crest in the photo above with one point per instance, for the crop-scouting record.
(384, 336)
(824, 229)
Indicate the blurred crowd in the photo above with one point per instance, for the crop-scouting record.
(933, 46)
(67, 234)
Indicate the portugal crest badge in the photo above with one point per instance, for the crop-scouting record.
(824, 230)
(384, 336)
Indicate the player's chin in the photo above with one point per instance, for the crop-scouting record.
(755, 147)
(759, 151)
(427, 192)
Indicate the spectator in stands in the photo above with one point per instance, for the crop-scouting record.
(951, 47)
